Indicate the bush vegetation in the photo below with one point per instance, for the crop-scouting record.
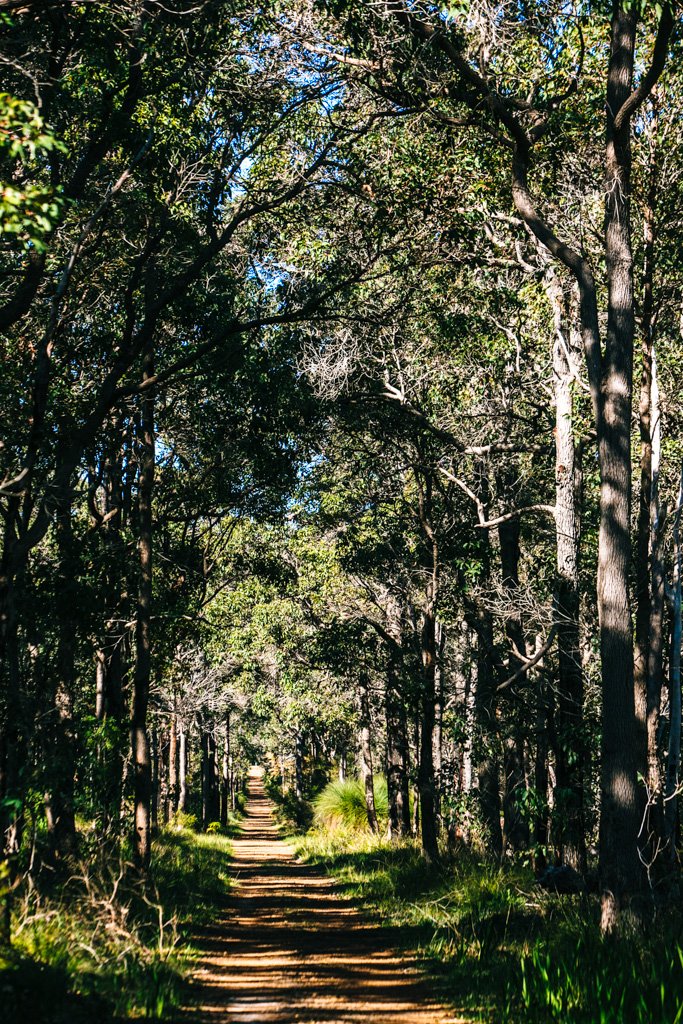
(100, 945)
(496, 945)
(342, 805)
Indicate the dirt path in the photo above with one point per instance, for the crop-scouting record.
(290, 949)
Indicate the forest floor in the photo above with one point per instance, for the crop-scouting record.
(289, 948)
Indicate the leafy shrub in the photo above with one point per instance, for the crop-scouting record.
(342, 805)
(180, 820)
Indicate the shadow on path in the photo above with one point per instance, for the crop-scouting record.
(289, 949)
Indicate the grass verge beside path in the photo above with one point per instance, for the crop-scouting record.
(100, 947)
(497, 947)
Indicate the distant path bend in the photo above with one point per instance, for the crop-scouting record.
(289, 949)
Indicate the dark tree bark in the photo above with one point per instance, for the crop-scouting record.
(60, 754)
(516, 832)
(397, 740)
(425, 775)
(438, 717)
(619, 864)
(173, 764)
(299, 766)
(142, 845)
(487, 738)
(645, 419)
(155, 757)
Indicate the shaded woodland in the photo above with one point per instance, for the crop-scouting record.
(340, 411)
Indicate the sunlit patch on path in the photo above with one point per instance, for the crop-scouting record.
(289, 949)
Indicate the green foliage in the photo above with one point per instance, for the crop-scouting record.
(28, 211)
(591, 979)
(498, 947)
(342, 804)
(104, 946)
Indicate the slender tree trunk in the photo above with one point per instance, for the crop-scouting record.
(182, 770)
(645, 416)
(655, 653)
(415, 824)
(673, 761)
(100, 684)
(569, 754)
(426, 763)
(342, 766)
(154, 799)
(516, 830)
(366, 772)
(397, 741)
(142, 846)
(299, 766)
(541, 773)
(438, 717)
(206, 777)
(225, 774)
(12, 726)
(426, 782)
(60, 755)
(486, 753)
(173, 764)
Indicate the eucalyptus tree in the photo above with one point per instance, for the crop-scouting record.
(179, 149)
(522, 79)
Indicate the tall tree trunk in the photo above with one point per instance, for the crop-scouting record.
(541, 770)
(655, 653)
(438, 717)
(673, 761)
(142, 846)
(182, 769)
(487, 738)
(619, 863)
(569, 755)
(366, 772)
(397, 741)
(100, 684)
(156, 775)
(516, 829)
(173, 764)
(426, 782)
(60, 755)
(415, 823)
(426, 763)
(299, 766)
(12, 726)
(225, 773)
(646, 708)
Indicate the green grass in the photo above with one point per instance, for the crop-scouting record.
(496, 947)
(102, 947)
(342, 804)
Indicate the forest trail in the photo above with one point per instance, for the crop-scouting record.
(290, 949)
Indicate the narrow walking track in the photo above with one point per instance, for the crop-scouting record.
(289, 949)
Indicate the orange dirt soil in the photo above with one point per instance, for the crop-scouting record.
(288, 948)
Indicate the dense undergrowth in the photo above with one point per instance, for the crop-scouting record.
(496, 945)
(98, 945)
